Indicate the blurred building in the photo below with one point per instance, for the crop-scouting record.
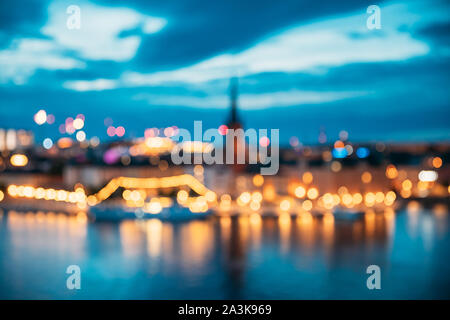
(11, 139)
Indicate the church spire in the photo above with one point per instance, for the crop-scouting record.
(234, 121)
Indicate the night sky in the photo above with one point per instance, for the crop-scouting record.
(302, 66)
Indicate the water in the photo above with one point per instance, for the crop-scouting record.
(223, 258)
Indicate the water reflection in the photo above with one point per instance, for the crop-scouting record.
(284, 225)
(228, 257)
(306, 231)
(52, 232)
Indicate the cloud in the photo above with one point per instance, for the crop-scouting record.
(251, 101)
(202, 29)
(60, 48)
(95, 85)
(25, 56)
(98, 38)
(308, 48)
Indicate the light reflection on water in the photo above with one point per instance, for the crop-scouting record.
(244, 257)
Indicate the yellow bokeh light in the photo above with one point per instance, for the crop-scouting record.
(126, 195)
(336, 199)
(313, 193)
(342, 190)
(210, 196)
(307, 205)
(366, 177)
(391, 172)
(328, 198)
(92, 200)
(255, 205)
(258, 180)
(245, 197)
(369, 199)
(422, 185)
(154, 207)
(389, 198)
(307, 177)
(347, 199)
(225, 198)
(257, 196)
(12, 190)
(50, 194)
(437, 162)
(19, 160)
(391, 195)
(40, 193)
(379, 197)
(405, 193)
(29, 192)
(285, 205)
(407, 184)
(182, 196)
(135, 196)
(357, 198)
(61, 195)
(300, 192)
(269, 192)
